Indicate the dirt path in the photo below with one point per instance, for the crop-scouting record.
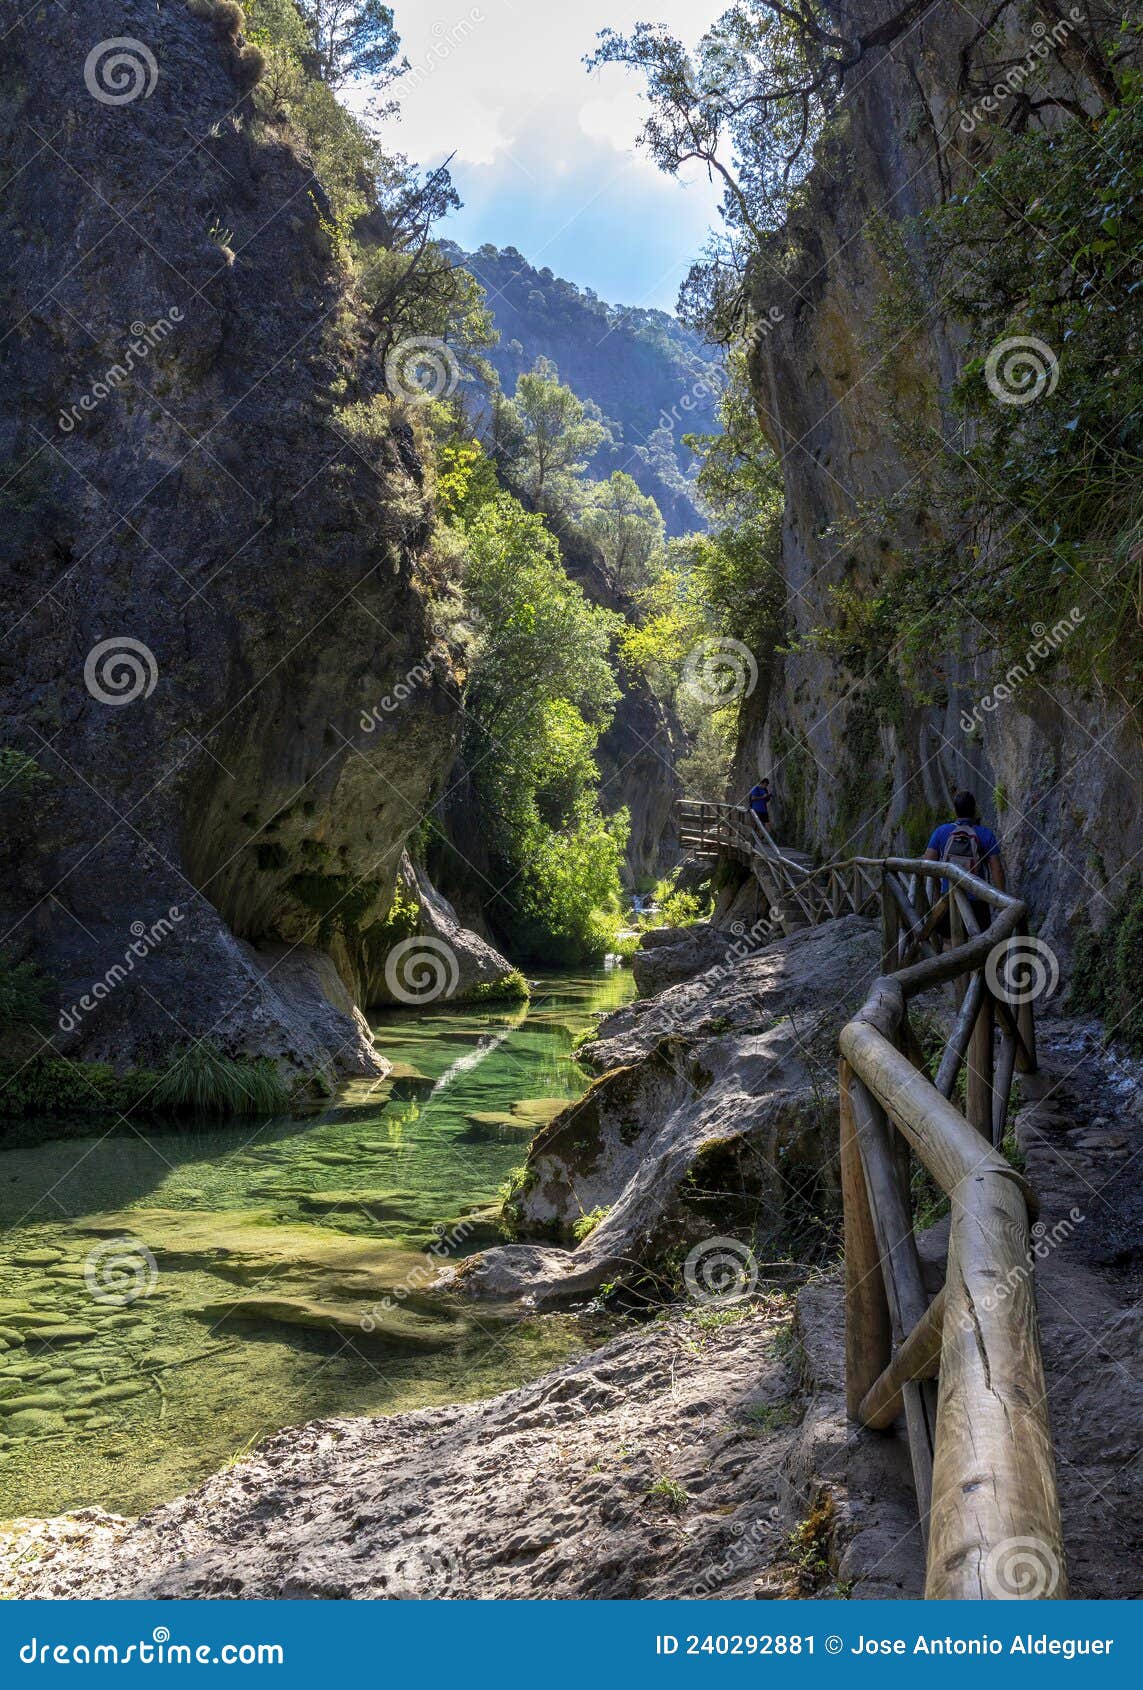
(1082, 1135)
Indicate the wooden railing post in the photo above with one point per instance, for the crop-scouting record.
(890, 927)
(995, 1530)
(901, 1271)
(979, 1103)
(868, 1337)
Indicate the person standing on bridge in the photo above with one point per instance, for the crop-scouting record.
(969, 845)
(760, 801)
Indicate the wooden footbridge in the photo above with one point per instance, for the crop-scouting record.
(979, 1438)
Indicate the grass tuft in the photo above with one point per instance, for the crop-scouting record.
(202, 1079)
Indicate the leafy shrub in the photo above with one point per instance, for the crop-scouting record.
(55, 1085)
(24, 995)
(509, 988)
(587, 1223)
(201, 1081)
(1108, 968)
(20, 775)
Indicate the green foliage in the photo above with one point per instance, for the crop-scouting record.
(55, 1085)
(670, 620)
(350, 39)
(1044, 244)
(401, 921)
(465, 480)
(1108, 968)
(347, 159)
(542, 690)
(409, 286)
(675, 908)
(770, 1417)
(518, 1183)
(723, 584)
(917, 825)
(202, 1080)
(337, 899)
(20, 775)
(669, 1492)
(650, 375)
(380, 209)
(547, 436)
(749, 104)
(512, 987)
(810, 1547)
(587, 1223)
(24, 995)
(712, 1319)
(626, 526)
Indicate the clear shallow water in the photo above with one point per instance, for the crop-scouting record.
(313, 1218)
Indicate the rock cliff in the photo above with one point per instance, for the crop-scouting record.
(217, 641)
(844, 399)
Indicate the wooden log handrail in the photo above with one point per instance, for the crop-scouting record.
(983, 1464)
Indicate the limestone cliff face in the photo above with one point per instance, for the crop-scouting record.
(179, 488)
(1057, 772)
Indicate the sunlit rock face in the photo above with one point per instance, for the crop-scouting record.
(847, 404)
(216, 643)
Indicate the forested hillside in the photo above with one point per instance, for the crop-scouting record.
(653, 378)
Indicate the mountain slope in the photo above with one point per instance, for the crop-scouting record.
(653, 378)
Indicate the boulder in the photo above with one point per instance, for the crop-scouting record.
(714, 1112)
(454, 957)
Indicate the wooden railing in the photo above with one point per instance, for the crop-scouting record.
(979, 1440)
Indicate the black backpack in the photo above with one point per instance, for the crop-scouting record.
(964, 850)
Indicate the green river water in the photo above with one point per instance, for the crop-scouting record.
(254, 1251)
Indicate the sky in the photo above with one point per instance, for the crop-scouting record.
(544, 150)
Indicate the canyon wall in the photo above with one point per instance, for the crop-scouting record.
(217, 644)
(857, 763)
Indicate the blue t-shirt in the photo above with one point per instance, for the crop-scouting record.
(760, 802)
(989, 844)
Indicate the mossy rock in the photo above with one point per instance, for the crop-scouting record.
(37, 1258)
(122, 1391)
(30, 1399)
(10, 1338)
(399, 1326)
(65, 1334)
(375, 1205)
(538, 1111)
(36, 1422)
(409, 1071)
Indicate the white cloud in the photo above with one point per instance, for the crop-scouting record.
(543, 147)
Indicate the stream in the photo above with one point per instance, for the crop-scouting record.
(168, 1299)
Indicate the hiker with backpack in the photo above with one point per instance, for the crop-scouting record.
(760, 801)
(968, 844)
